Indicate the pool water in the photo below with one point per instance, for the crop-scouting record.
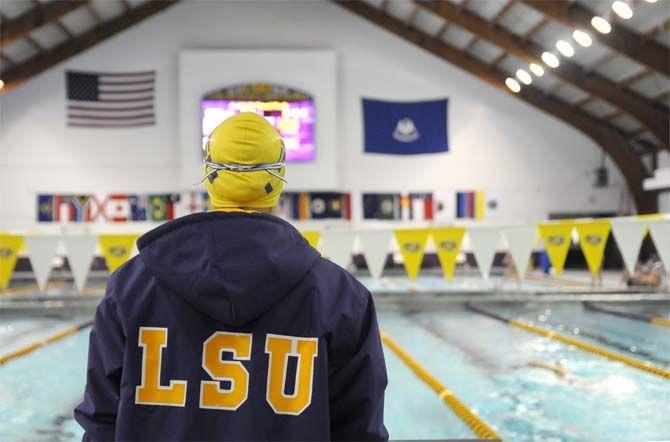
(483, 361)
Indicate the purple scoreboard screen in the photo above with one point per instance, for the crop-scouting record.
(294, 120)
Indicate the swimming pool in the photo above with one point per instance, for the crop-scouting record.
(488, 364)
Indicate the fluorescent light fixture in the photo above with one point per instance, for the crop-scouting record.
(601, 25)
(512, 84)
(524, 76)
(583, 38)
(550, 59)
(565, 48)
(622, 9)
(536, 69)
(2, 84)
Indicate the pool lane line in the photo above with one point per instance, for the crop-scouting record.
(479, 427)
(34, 346)
(665, 322)
(591, 348)
(30, 288)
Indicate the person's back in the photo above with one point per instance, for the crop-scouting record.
(229, 326)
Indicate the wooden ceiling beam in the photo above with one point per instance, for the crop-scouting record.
(609, 138)
(642, 108)
(622, 39)
(502, 12)
(36, 17)
(35, 65)
(535, 29)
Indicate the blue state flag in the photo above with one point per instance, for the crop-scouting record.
(405, 128)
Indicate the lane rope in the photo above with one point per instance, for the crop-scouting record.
(479, 427)
(591, 348)
(53, 338)
(665, 322)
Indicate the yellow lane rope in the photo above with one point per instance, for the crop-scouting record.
(34, 346)
(650, 368)
(447, 396)
(660, 321)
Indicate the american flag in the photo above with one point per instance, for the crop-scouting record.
(103, 99)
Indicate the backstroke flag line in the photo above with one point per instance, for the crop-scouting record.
(629, 234)
(593, 239)
(9, 253)
(337, 245)
(41, 250)
(412, 244)
(117, 249)
(556, 238)
(375, 244)
(405, 128)
(79, 250)
(520, 242)
(660, 233)
(483, 241)
(447, 242)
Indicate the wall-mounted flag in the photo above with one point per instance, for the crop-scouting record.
(381, 206)
(405, 128)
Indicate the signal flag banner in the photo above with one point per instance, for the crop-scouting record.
(337, 246)
(117, 249)
(556, 238)
(412, 244)
(471, 204)
(448, 241)
(629, 234)
(312, 237)
(41, 250)
(660, 233)
(520, 242)
(375, 245)
(9, 253)
(593, 238)
(484, 241)
(382, 206)
(405, 128)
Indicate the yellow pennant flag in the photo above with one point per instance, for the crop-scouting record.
(9, 253)
(556, 238)
(412, 243)
(592, 239)
(312, 237)
(117, 249)
(448, 243)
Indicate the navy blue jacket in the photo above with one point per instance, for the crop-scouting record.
(254, 278)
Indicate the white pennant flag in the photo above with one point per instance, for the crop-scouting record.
(629, 234)
(79, 250)
(375, 244)
(337, 245)
(660, 233)
(483, 241)
(41, 250)
(520, 242)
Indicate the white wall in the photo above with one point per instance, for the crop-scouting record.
(534, 162)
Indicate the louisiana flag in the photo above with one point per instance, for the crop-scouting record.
(405, 128)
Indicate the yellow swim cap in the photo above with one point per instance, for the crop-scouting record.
(245, 163)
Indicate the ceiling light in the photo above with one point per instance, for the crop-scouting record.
(651, 1)
(565, 48)
(581, 37)
(524, 76)
(622, 9)
(2, 84)
(550, 59)
(513, 85)
(536, 69)
(601, 25)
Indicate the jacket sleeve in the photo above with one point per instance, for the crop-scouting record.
(97, 413)
(358, 379)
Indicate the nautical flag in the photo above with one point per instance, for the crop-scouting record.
(381, 206)
(405, 128)
(421, 206)
(103, 99)
(138, 207)
(470, 204)
(161, 207)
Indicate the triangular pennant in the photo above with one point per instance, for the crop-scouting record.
(338, 246)
(520, 242)
(447, 242)
(484, 241)
(41, 250)
(79, 250)
(312, 237)
(375, 245)
(660, 233)
(9, 253)
(593, 238)
(117, 249)
(556, 238)
(412, 244)
(629, 234)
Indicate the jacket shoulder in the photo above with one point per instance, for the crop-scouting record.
(125, 280)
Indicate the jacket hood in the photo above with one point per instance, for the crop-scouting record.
(232, 267)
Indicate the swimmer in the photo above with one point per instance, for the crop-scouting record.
(557, 367)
